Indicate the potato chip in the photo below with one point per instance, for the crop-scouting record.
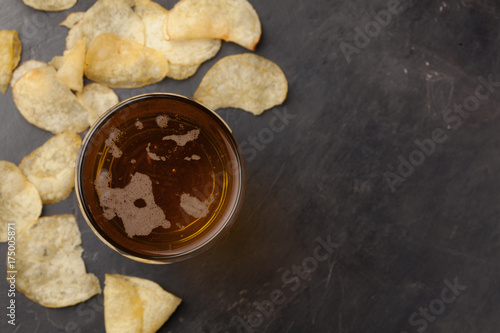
(50, 5)
(50, 269)
(57, 62)
(231, 20)
(24, 68)
(107, 16)
(157, 304)
(51, 167)
(46, 103)
(122, 306)
(70, 71)
(245, 81)
(20, 201)
(72, 19)
(181, 72)
(121, 63)
(184, 57)
(97, 99)
(10, 54)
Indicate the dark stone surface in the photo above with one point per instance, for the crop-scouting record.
(394, 253)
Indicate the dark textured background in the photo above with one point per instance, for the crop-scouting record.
(322, 178)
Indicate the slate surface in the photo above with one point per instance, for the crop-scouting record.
(374, 209)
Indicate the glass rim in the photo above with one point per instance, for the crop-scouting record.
(167, 258)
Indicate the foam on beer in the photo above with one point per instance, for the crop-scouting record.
(194, 207)
(134, 204)
(111, 142)
(181, 140)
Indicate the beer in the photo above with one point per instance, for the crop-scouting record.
(159, 177)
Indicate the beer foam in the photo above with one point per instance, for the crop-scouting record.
(162, 120)
(111, 142)
(139, 125)
(194, 157)
(181, 140)
(152, 155)
(134, 204)
(194, 207)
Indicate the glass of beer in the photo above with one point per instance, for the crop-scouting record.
(160, 178)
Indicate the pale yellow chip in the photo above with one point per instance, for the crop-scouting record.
(20, 202)
(246, 81)
(231, 20)
(50, 5)
(181, 72)
(24, 68)
(107, 16)
(49, 265)
(51, 167)
(184, 57)
(10, 54)
(157, 304)
(97, 99)
(56, 62)
(122, 63)
(70, 71)
(122, 306)
(72, 19)
(46, 103)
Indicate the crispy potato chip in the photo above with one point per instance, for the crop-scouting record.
(97, 99)
(157, 304)
(121, 63)
(72, 19)
(57, 62)
(107, 16)
(46, 103)
(50, 5)
(184, 57)
(231, 20)
(70, 71)
(24, 68)
(50, 269)
(245, 81)
(122, 306)
(20, 201)
(10, 54)
(51, 167)
(181, 72)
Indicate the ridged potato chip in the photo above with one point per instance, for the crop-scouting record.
(70, 71)
(51, 167)
(24, 68)
(231, 20)
(46, 103)
(107, 16)
(156, 303)
(50, 5)
(10, 54)
(97, 99)
(20, 201)
(122, 306)
(246, 81)
(184, 57)
(50, 268)
(56, 62)
(122, 63)
(181, 72)
(72, 19)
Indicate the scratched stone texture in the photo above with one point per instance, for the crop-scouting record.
(374, 208)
